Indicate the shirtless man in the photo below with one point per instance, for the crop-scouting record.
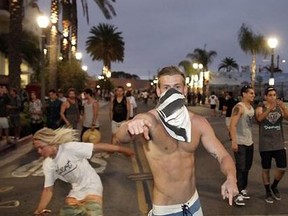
(170, 148)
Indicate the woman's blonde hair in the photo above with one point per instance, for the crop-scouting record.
(56, 137)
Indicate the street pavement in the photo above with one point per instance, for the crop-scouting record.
(128, 182)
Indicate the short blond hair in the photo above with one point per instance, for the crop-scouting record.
(56, 137)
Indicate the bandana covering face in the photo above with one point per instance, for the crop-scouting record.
(174, 115)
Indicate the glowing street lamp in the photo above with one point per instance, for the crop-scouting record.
(78, 55)
(84, 68)
(272, 43)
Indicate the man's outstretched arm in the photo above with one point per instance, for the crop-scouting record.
(140, 124)
(227, 166)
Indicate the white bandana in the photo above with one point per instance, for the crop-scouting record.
(174, 115)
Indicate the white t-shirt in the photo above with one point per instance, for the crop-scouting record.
(71, 165)
(213, 99)
(133, 105)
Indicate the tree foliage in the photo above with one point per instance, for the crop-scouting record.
(30, 51)
(252, 44)
(188, 68)
(105, 44)
(202, 56)
(228, 64)
(71, 75)
(122, 74)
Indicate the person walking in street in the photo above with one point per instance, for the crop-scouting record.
(170, 135)
(4, 123)
(229, 104)
(221, 102)
(90, 113)
(53, 109)
(14, 109)
(35, 113)
(119, 110)
(213, 100)
(133, 104)
(67, 159)
(271, 141)
(70, 113)
(242, 142)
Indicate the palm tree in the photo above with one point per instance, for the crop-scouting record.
(105, 44)
(205, 58)
(252, 44)
(53, 44)
(70, 21)
(228, 64)
(188, 68)
(202, 56)
(14, 42)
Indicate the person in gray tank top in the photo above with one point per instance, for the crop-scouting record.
(271, 141)
(242, 142)
(70, 113)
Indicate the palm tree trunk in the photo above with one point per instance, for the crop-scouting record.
(253, 70)
(66, 22)
(14, 46)
(53, 45)
(74, 28)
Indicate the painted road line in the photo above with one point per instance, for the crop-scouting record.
(139, 185)
(140, 176)
(28, 169)
(4, 189)
(9, 204)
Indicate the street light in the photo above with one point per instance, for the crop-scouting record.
(272, 43)
(84, 68)
(106, 72)
(78, 55)
(199, 67)
(43, 22)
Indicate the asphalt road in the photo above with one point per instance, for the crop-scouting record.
(128, 182)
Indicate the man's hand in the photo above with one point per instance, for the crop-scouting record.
(139, 126)
(234, 147)
(229, 190)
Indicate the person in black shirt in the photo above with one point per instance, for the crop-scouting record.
(119, 110)
(228, 106)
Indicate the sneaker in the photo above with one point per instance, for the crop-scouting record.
(244, 194)
(269, 198)
(276, 193)
(238, 200)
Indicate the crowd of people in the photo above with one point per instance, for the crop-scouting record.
(168, 135)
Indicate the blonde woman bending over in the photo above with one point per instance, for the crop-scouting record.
(66, 159)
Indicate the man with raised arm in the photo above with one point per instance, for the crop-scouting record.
(170, 135)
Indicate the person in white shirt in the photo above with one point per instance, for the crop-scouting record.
(133, 104)
(66, 159)
(213, 100)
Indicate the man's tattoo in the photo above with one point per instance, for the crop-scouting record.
(236, 111)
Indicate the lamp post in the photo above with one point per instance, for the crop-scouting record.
(272, 43)
(43, 22)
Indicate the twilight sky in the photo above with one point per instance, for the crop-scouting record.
(159, 33)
